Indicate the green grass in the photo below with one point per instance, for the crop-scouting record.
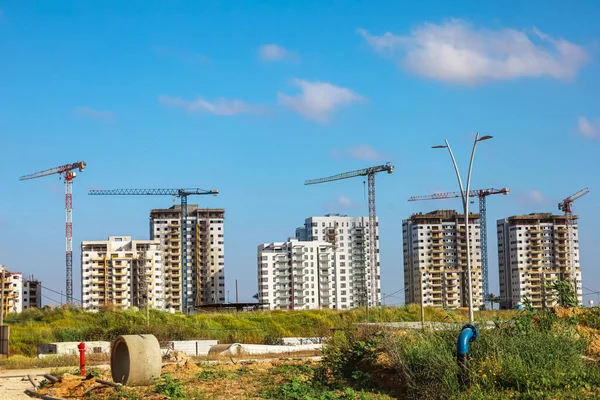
(33, 326)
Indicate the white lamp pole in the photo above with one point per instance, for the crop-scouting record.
(465, 200)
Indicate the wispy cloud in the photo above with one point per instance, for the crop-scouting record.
(587, 128)
(341, 203)
(359, 152)
(534, 197)
(457, 52)
(318, 100)
(54, 188)
(92, 113)
(223, 107)
(365, 152)
(273, 52)
(182, 55)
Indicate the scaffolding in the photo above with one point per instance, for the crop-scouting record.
(203, 252)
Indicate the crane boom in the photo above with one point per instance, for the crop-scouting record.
(152, 192)
(359, 172)
(182, 194)
(565, 205)
(449, 195)
(80, 165)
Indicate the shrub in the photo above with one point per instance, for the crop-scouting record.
(535, 356)
(170, 387)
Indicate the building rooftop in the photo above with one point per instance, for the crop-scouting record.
(190, 207)
(449, 215)
(542, 217)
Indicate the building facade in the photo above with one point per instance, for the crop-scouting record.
(296, 275)
(122, 272)
(32, 293)
(435, 259)
(12, 291)
(205, 269)
(534, 251)
(356, 278)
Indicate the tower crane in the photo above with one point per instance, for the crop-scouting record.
(69, 173)
(370, 173)
(482, 194)
(183, 195)
(565, 206)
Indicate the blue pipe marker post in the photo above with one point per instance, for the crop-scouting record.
(467, 335)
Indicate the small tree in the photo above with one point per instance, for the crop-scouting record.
(565, 293)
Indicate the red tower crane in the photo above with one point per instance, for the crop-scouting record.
(482, 194)
(68, 171)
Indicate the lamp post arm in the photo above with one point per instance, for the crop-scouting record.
(460, 184)
(471, 162)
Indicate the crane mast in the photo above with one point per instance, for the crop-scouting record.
(370, 173)
(565, 206)
(183, 195)
(481, 194)
(69, 173)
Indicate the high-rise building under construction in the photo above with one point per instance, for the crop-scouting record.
(121, 272)
(356, 278)
(435, 259)
(534, 251)
(203, 279)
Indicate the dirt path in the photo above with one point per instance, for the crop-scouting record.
(13, 388)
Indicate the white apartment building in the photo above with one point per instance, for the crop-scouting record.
(122, 272)
(12, 288)
(32, 293)
(534, 251)
(356, 278)
(435, 259)
(296, 275)
(205, 269)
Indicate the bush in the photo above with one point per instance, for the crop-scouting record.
(536, 356)
(170, 387)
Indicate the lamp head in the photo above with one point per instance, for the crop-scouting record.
(481, 139)
(439, 147)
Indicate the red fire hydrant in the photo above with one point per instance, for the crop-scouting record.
(81, 347)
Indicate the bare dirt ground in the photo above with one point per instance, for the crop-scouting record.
(13, 388)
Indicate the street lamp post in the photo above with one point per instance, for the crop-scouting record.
(465, 200)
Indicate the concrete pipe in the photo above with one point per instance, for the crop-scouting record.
(135, 360)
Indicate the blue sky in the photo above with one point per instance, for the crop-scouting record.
(253, 98)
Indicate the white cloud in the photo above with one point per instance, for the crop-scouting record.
(456, 52)
(273, 52)
(587, 128)
(534, 197)
(344, 201)
(335, 153)
(318, 100)
(365, 152)
(217, 107)
(341, 202)
(94, 114)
